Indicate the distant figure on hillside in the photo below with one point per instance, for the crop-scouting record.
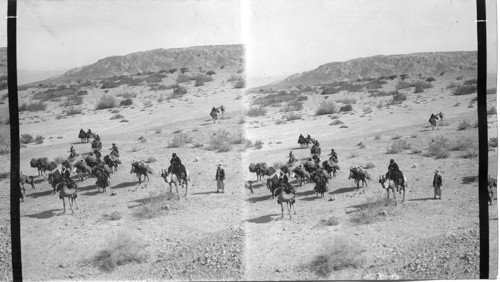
(333, 155)
(220, 175)
(437, 183)
(222, 109)
(291, 157)
(72, 152)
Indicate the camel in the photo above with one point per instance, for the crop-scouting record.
(320, 186)
(25, 179)
(331, 169)
(140, 169)
(390, 184)
(54, 179)
(259, 169)
(82, 169)
(300, 174)
(102, 172)
(248, 185)
(112, 162)
(316, 150)
(272, 184)
(41, 164)
(289, 199)
(65, 192)
(358, 174)
(214, 113)
(441, 116)
(172, 178)
(432, 120)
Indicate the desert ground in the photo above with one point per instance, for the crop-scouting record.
(135, 231)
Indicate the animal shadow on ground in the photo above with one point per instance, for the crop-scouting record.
(469, 179)
(259, 199)
(305, 193)
(38, 181)
(421, 199)
(344, 190)
(79, 142)
(44, 214)
(356, 208)
(263, 219)
(204, 193)
(41, 194)
(93, 193)
(4, 175)
(310, 198)
(125, 184)
(143, 201)
(86, 188)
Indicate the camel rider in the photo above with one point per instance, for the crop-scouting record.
(88, 131)
(97, 137)
(316, 143)
(72, 152)
(221, 108)
(114, 148)
(316, 159)
(175, 164)
(291, 157)
(66, 177)
(333, 154)
(284, 182)
(308, 137)
(394, 173)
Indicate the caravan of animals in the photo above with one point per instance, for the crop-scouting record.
(284, 142)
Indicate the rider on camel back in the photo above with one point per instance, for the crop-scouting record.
(176, 165)
(394, 173)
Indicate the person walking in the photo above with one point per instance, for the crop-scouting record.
(220, 175)
(437, 183)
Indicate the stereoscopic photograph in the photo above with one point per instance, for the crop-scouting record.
(248, 140)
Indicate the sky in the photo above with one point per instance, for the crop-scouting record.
(282, 37)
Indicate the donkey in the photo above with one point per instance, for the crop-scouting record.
(433, 120)
(65, 192)
(359, 175)
(390, 184)
(289, 199)
(139, 171)
(172, 178)
(214, 113)
(25, 179)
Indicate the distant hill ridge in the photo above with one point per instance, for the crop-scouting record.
(206, 57)
(431, 63)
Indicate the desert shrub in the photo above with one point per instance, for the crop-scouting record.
(346, 108)
(172, 70)
(430, 79)
(184, 70)
(452, 85)
(383, 93)
(392, 77)
(403, 85)
(377, 137)
(277, 98)
(464, 124)
(492, 111)
(403, 76)
(336, 254)
(256, 111)
(238, 138)
(124, 120)
(419, 89)
(72, 101)
(240, 83)
(151, 160)
(465, 90)
(210, 72)
(183, 78)
(463, 144)
(346, 101)
(26, 138)
(369, 212)
(109, 84)
(179, 140)
(148, 104)
(39, 139)
(398, 97)
(126, 102)
(361, 145)
(120, 249)
(4, 145)
(294, 106)
(115, 215)
(154, 206)
(233, 78)
(493, 142)
(470, 81)
(396, 137)
(73, 111)
(332, 221)
(106, 102)
(336, 122)
(439, 148)
(291, 115)
(158, 87)
(369, 166)
(117, 116)
(326, 108)
(127, 95)
(398, 146)
(33, 107)
(203, 78)
(220, 141)
(178, 91)
(258, 144)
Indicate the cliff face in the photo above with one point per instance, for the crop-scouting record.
(206, 57)
(376, 66)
